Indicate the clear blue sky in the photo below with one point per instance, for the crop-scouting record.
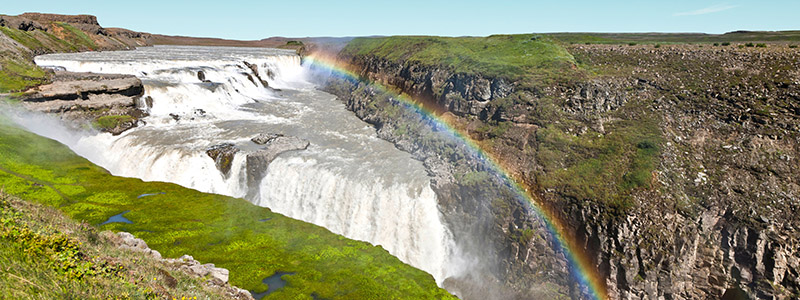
(260, 19)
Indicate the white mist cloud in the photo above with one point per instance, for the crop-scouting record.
(708, 10)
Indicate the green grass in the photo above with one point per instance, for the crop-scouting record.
(525, 57)
(212, 228)
(606, 168)
(675, 38)
(46, 255)
(25, 38)
(111, 122)
(17, 75)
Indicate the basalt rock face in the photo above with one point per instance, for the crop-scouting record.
(716, 215)
(461, 94)
(487, 222)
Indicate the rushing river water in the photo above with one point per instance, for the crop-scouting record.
(348, 180)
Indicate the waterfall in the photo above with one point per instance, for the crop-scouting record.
(348, 180)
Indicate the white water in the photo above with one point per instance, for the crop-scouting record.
(348, 180)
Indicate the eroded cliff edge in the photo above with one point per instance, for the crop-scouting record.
(106, 102)
(674, 166)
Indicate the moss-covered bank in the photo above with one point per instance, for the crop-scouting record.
(252, 242)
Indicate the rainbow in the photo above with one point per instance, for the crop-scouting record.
(581, 265)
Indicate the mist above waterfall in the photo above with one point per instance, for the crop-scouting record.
(348, 180)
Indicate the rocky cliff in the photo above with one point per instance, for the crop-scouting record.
(674, 166)
(107, 102)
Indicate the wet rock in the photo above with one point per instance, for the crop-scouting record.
(202, 76)
(223, 155)
(254, 69)
(258, 161)
(264, 138)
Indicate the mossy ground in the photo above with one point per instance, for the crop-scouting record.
(46, 255)
(19, 75)
(525, 57)
(111, 122)
(222, 230)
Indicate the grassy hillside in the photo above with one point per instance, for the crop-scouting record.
(252, 242)
(515, 57)
(49, 35)
(597, 134)
(65, 259)
(678, 38)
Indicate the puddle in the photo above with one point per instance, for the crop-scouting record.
(147, 195)
(274, 282)
(118, 218)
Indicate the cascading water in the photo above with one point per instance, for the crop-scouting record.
(348, 180)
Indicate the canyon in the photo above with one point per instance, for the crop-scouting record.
(672, 167)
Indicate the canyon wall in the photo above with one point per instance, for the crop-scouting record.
(674, 166)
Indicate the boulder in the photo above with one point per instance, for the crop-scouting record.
(264, 138)
(223, 155)
(202, 77)
(130, 242)
(254, 68)
(219, 273)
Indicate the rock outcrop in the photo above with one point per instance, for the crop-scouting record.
(106, 102)
(273, 144)
(86, 97)
(223, 155)
(21, 23)
(265, 138)
(217, 277)
(257, 162)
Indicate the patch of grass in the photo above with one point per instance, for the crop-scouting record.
(16, 75)
(216, 229)
(25, 38)
(473, 178)
(605, 168)
(761, 45)
(792, 46)
(514, 57)
(44, 254)
(111, 122)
